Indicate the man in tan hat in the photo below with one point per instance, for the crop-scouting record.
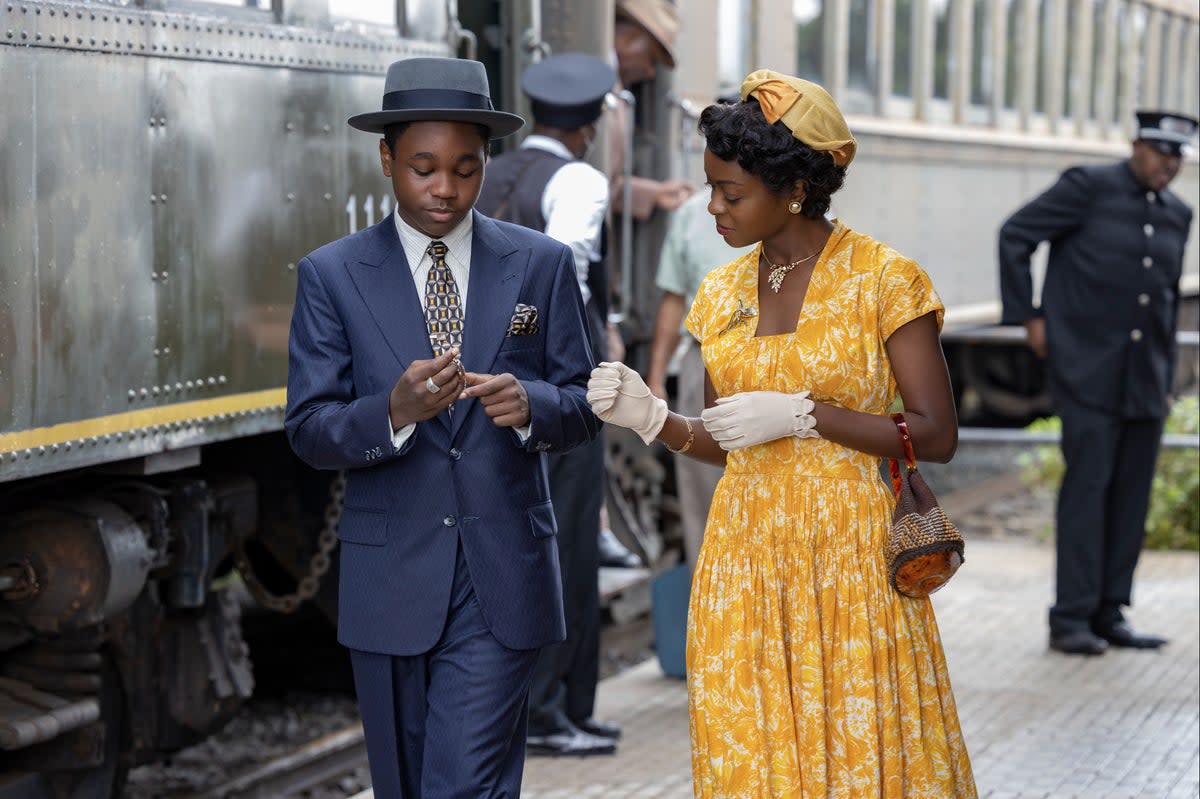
(643, 41)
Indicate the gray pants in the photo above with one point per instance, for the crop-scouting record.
(695, 481)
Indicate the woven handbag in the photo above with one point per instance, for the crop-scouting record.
(925, 549)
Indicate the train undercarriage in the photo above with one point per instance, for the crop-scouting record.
(123, 593)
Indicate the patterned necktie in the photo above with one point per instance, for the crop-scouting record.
(443, 309)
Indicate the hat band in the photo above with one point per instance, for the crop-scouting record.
(422, 99)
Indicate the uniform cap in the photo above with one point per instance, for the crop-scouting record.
(567, 90)
(1169, 132)
(437, 90)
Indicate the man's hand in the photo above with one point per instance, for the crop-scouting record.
(1035, 336)
(618, 395)
(672, 193)
(616, 344)
(412, 400)
(502, 396)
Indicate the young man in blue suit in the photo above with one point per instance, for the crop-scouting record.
(436, 357)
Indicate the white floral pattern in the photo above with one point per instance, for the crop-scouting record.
(808, 676)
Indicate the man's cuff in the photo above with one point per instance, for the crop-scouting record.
(401, 435)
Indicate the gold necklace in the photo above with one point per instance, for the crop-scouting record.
(780, 271)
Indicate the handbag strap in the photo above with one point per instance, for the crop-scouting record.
(910, 457)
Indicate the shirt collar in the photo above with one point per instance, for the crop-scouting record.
(415, 242)
(1137, 189)
(537, 141)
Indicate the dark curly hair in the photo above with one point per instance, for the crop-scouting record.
(741, 133)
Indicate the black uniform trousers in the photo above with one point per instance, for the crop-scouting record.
(1101, 514)
(565, 675)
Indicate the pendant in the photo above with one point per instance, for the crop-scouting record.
(776, 275)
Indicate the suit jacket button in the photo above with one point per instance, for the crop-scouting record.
(1135, 334)
(449, 521)
(455, 454)
(542, 446)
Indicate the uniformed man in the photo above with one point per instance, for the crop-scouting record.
(1106, 326)
(547, 185)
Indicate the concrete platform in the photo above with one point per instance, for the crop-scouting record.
(1038, 725)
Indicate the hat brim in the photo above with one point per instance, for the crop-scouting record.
(1169, 146)
(498, 123)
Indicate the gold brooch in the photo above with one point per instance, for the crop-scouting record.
(742, 313)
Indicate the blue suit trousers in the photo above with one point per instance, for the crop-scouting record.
(449, 723)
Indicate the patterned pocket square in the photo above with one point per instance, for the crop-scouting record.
(524, 321)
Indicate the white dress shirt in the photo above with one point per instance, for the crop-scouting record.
(458, 258)
(574, 203)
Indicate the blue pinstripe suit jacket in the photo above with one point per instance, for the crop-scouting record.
(357, 324)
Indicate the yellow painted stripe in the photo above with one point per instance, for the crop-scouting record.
(136, 420)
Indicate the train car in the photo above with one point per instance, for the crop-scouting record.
(165, 164)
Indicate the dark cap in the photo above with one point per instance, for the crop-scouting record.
(567, 90)
(441, 90)
(1167, 131)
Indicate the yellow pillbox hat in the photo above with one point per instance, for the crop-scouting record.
(808, 111)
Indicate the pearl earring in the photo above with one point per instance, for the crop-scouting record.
(795, 207)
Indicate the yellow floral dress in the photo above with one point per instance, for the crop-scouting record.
(808, 675)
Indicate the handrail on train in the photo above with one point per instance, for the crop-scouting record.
(1015, 334)
(1019, 435)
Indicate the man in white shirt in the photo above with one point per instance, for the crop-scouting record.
(547, 185)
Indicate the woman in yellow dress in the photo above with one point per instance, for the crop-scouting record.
(808, 675)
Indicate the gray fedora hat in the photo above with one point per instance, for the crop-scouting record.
(438, 89)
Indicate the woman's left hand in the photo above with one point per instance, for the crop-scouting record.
(755, 417)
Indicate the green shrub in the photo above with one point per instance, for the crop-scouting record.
(1173, 521)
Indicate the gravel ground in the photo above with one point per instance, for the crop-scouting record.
(264, 729)
(273, 724)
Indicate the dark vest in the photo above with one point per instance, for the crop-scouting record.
(512, 192)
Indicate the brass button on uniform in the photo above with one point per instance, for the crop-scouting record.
(1148, 229)
(1135, 334)
(1143, 300)
(1147, 262)
(1151, 196)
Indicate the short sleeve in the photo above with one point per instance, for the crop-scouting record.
(698, 314)
(670, 275)
(905, 293)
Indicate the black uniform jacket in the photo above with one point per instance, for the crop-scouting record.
(1111, 294)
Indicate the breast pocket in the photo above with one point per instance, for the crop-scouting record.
(363, 526)
(541, 520)
(517, 343)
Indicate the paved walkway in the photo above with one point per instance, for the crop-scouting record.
(1038, 725)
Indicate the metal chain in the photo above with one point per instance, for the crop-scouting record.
(317, 565)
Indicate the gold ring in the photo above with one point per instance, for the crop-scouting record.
(432, 386)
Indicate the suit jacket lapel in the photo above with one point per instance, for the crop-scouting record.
(497, 275)
(384, 281)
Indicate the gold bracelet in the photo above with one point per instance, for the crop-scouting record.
(688, 444)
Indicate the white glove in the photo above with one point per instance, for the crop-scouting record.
(754, 417)
(619, 396)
